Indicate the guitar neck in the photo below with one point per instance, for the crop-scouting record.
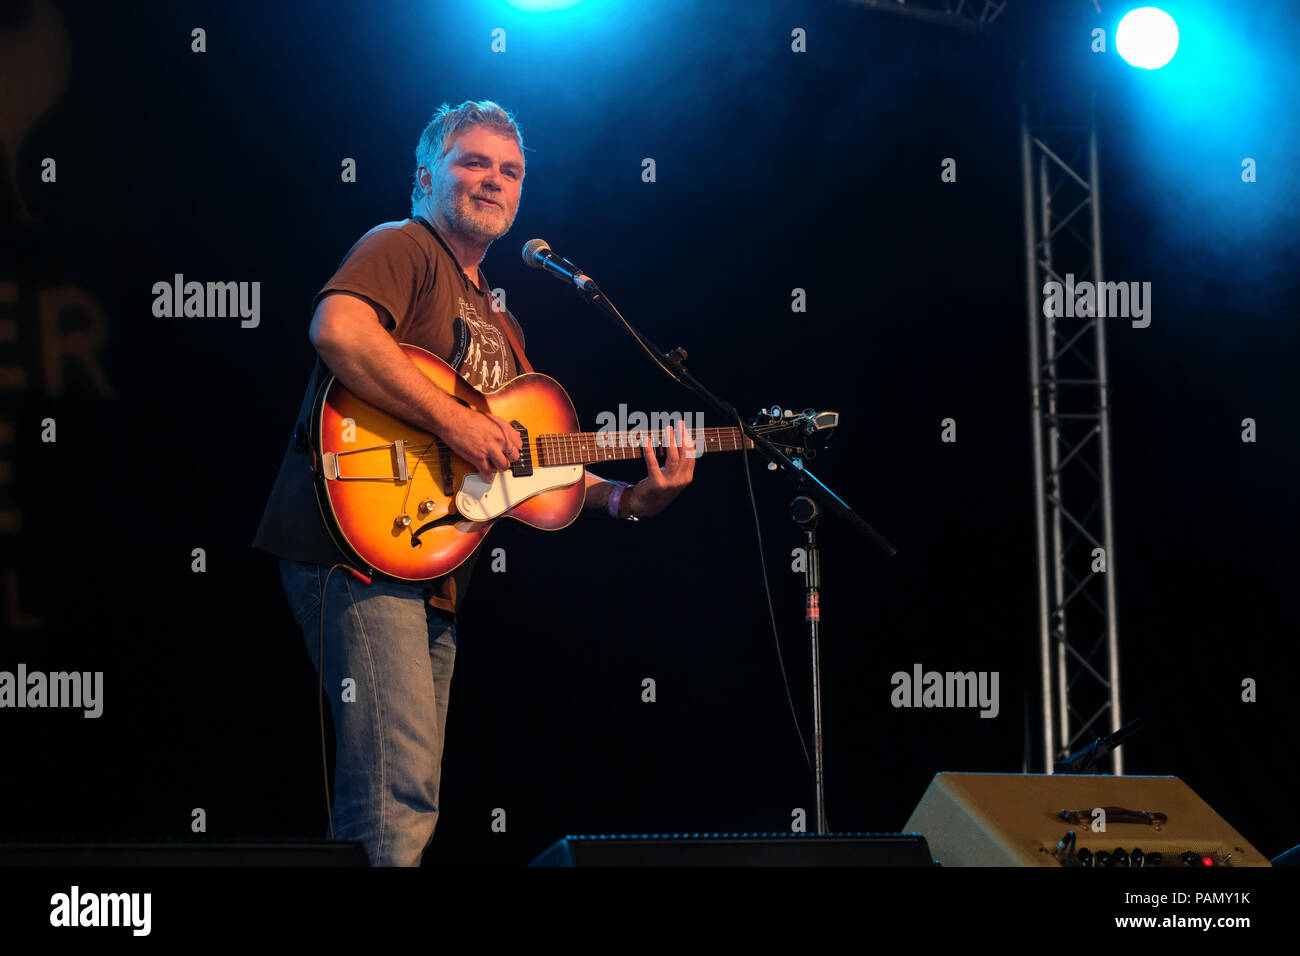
(585, 448)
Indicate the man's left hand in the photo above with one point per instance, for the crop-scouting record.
(653, 493)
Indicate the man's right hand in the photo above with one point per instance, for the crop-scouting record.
(351, 341)
(488, 443)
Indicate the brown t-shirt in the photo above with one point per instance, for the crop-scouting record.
(406, 271)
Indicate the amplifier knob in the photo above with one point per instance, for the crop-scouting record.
(1103, 858)
(1119, 857)
(1086, 858)
(1137, 857)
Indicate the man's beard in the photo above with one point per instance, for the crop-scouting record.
(480, 223)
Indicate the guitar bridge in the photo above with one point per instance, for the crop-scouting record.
(399, 458)
(329, 463)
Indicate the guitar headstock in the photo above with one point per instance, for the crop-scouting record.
(797, 434)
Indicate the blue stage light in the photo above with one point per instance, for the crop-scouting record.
(539, 6)
(1147, 37)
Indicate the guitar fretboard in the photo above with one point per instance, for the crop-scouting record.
(574, 448)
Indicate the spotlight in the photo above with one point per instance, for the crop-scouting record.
(1147, 37)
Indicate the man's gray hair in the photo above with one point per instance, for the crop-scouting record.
(448, 123)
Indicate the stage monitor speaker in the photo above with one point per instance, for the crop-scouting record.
(991, 819)
(75, 855)
(738, 849)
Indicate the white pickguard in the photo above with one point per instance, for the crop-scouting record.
(480, 500)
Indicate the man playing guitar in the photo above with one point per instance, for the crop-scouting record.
(389, 645)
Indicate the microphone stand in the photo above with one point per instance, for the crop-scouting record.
(1086, 759)
(804, 509)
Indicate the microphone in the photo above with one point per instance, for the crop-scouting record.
(538, 255)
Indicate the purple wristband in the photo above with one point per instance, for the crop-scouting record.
(615, 496)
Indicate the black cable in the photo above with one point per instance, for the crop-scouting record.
(771, 612)
(320, 696)
(753, 503)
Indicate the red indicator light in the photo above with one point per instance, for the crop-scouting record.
(1207, 861)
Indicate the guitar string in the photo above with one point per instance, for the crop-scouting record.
(576, 441)
(565, 443)
(565, 439)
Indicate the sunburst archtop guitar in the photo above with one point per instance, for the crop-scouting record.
(403, 504)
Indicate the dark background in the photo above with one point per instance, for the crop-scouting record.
(776, 170)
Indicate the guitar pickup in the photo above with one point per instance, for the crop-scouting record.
(448, 477)
(524, 466)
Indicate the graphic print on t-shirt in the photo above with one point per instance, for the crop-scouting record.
(485, 363)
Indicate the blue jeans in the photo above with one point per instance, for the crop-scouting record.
(397, 651)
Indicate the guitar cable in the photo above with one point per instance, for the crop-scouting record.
(767, 590)
(662, 363)
(320, 686)
(302, 444)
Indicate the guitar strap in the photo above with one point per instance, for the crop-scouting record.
(521, 360)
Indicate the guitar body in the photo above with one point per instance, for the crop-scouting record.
(374, 471)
